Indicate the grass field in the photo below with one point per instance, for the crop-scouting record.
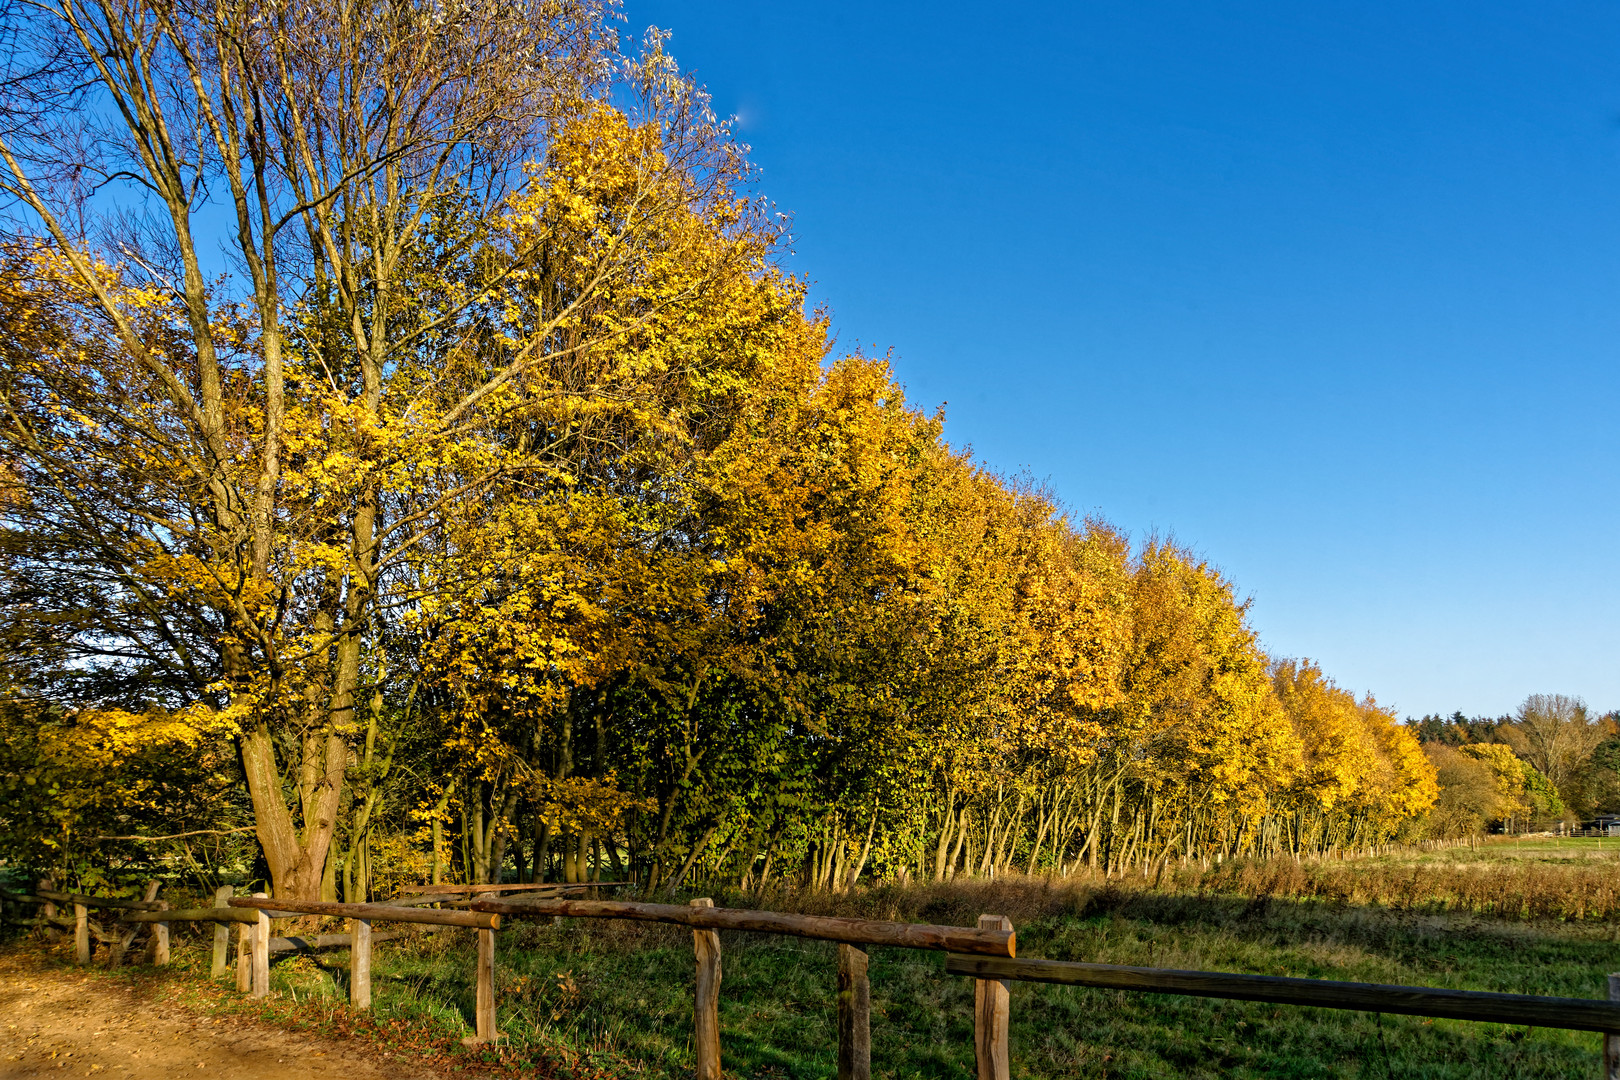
(614, 998)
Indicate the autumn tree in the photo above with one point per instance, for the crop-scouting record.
(292, 410)
(1555, 734)
(1470, 793)
(1363, 774)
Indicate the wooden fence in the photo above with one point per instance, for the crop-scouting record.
(986, 953)
(992, 938)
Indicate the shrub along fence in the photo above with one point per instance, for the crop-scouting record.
(986, 953)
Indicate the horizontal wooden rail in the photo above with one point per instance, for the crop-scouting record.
(456, 890)
(413, 901)
(291, 909)
(326, 941)
(465, 901)
(97, 901)
(29, 898)
(1575, 1014)
(428, 901)
(453, 890)
(960, 939)
(206, 914)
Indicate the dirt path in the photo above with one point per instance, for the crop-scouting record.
(57, 1023)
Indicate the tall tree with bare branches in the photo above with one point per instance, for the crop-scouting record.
(280, 243)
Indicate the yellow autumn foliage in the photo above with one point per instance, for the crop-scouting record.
(507, 488)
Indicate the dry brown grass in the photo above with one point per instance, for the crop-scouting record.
(1549, 880)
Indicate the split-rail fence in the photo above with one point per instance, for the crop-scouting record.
(986, 953)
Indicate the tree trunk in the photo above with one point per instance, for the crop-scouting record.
(297, 858)
(866, 851)
(961, 836)
(947, 821)
(438, 832)
(542, 847)
(691, 859)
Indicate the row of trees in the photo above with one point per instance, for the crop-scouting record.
(416, 460)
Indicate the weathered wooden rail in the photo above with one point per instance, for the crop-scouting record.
(826, 928)
(552, 888)
(1574, 1014)
(1570, 1014)
(986, 953)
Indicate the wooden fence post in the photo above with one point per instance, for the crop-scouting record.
(46, 920)
(992, 1011)
(160, 939)
(484, 1018)
(706, 1007)
(261, 952)
(81, 934)
(1611, 1042)
(487, 1029)
(244, 957)
(854, 1015)
(360, 964)
(222, 933)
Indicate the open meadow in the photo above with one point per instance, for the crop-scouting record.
(1533, 916)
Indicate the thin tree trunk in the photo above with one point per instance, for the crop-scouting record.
(947, 823)
(691, 858)
(866, 850)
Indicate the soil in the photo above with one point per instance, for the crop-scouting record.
(57, 1022)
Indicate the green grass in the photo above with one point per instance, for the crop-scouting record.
(616, 998)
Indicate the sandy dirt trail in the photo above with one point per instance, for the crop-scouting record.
(58, 1023)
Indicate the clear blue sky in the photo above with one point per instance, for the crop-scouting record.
(1328, 291)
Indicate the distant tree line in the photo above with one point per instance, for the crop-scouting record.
(1551, 761)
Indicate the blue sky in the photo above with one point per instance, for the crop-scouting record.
(1330, 291)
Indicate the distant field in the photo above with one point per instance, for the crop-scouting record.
(1498, 849)
(614, 999)
(1571, 879)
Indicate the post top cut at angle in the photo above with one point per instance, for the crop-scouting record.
(960, 939)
